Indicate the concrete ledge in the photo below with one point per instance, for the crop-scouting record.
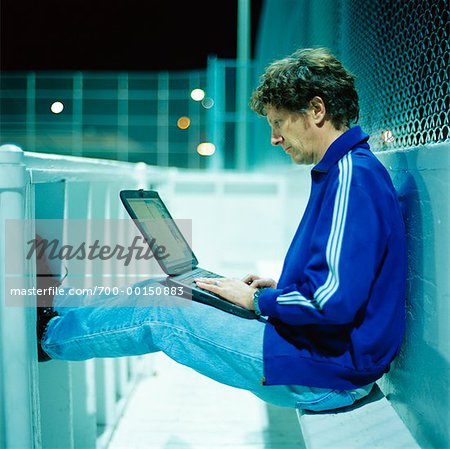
(370, 423)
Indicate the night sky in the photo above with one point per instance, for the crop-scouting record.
(132, 35)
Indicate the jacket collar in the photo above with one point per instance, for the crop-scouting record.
(341, 146)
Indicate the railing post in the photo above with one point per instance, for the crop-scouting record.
(242, 83)
(83, 373)
(19, 423)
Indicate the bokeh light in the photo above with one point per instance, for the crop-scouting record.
(140, 166)
(198, 94)
(183, 122)
(57, 107)
(206, 149)
(207, 103)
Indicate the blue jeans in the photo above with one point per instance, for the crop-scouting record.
(224, 347)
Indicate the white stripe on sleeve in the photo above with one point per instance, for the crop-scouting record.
(334, 243)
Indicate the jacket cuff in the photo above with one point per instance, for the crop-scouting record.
(267, 301)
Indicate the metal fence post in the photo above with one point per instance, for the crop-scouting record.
(19, 424)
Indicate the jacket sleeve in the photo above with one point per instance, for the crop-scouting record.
(346, 248)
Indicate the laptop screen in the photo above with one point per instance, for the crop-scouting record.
(155, 222)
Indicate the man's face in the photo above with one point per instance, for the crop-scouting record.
(294, 132)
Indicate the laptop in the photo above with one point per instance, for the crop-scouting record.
(178, 261)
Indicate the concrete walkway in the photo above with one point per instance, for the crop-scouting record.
(178, 408)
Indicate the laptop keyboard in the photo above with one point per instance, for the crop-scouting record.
(198, 273)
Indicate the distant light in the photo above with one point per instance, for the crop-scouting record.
(57, 107)
(207, 103)
(198, 94)
(184, 122)
(387, 136)
(206, 149)
(140, 166)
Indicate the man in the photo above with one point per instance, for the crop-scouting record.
(334, 321)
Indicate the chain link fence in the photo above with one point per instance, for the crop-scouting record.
(400, 52)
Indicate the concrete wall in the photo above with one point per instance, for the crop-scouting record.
(418, 384)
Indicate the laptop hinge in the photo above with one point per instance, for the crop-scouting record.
(182, 269)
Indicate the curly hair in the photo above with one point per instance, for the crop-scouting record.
(292, 82)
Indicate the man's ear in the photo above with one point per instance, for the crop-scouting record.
(319, 110)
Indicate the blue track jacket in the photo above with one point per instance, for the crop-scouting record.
(337, 316)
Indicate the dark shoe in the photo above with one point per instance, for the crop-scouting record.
(46, 282)
(44, 315)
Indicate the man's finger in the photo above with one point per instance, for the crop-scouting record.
(249, 278)
(212, 287)
(258, 283)
(212, 281)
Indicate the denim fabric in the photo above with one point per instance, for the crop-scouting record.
(224, 347)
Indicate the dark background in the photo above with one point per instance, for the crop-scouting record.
(132, 35)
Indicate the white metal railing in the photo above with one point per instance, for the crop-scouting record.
(78, 404)
(59, 404)
(18, 378)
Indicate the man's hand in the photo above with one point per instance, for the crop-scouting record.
(234, 290)
(255, 281)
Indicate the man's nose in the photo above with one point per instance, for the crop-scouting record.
(276, 139)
